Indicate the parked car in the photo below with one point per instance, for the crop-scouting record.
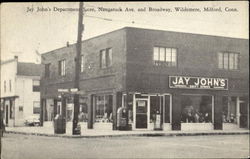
(32, 121)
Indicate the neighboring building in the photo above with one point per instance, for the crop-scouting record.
(20, 91)
(193, 81)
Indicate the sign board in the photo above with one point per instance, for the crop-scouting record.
(63, 90)
(198, 82)
(73, 89)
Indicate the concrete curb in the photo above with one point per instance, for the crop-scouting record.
(126, 135)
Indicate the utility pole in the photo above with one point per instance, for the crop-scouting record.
(77, 68)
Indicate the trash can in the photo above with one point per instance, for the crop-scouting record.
(157, 123)
(59, 124)
(122, 119)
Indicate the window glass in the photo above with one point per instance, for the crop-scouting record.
(83, 112)
(236, 57)
(4, 86)
(36, 85)
(220, 60)
(109, 57)
(229, 114)
(226, 60)
(103, 58)
(103, 111)
(162, 54)
(156, 53)
(196, 109)
(174, 57)
(47, 70)
(36, 107)
(61, 68)
(231, 61)
(168, 55)
(165, 56)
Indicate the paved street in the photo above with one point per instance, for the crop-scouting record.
(38, 147)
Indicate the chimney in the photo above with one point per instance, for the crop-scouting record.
(67, 44)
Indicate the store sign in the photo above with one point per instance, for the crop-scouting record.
(198, 82)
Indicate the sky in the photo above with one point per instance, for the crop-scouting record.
(24, 32)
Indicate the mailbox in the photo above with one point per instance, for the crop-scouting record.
(122, 119)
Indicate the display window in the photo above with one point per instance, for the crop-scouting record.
(196, 109)
(229, 114)
(103, 111)
(83, 112)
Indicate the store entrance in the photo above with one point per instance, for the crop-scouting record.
(243, 114)
(141, 113)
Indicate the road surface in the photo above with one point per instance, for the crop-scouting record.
(38, 147)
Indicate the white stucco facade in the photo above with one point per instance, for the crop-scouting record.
(17, 95)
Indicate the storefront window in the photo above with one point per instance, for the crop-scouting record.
(229, 109)
(196, 109)
(128, 102)
(103, 111)
(83, 112)
(156, 107)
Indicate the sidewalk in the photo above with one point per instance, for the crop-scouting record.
(92, 133)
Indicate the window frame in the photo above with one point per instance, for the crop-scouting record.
(10, 85)
(36, 107)
(231, 64)
(5, 86)
(169, 60)
(106, 58)
(35, 88)
(62, 67)
(47, 70)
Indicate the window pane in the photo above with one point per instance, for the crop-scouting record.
(196, 109)
(168, 54)
(64, 67)
(174, 57)
(220, 60)
(156, 53)
(231, 61)
(36, 108)
(162, 54)
(236, 61)
(103, 59)
(226, 60)
(47, 70)
(109, 57)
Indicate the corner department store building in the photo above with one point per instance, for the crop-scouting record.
(196, 82)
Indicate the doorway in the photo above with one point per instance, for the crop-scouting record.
(243, 114)
(142, 113)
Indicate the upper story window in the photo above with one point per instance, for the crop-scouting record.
(10, 85)
(106, 58)
(62, 68)
(228, 60)
(5, 87)
(82, 63)
(36, 85)
(164, 56)
(36, 107)
(47, 70)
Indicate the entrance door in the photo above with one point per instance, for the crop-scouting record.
(243, 115)
(141, 114)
